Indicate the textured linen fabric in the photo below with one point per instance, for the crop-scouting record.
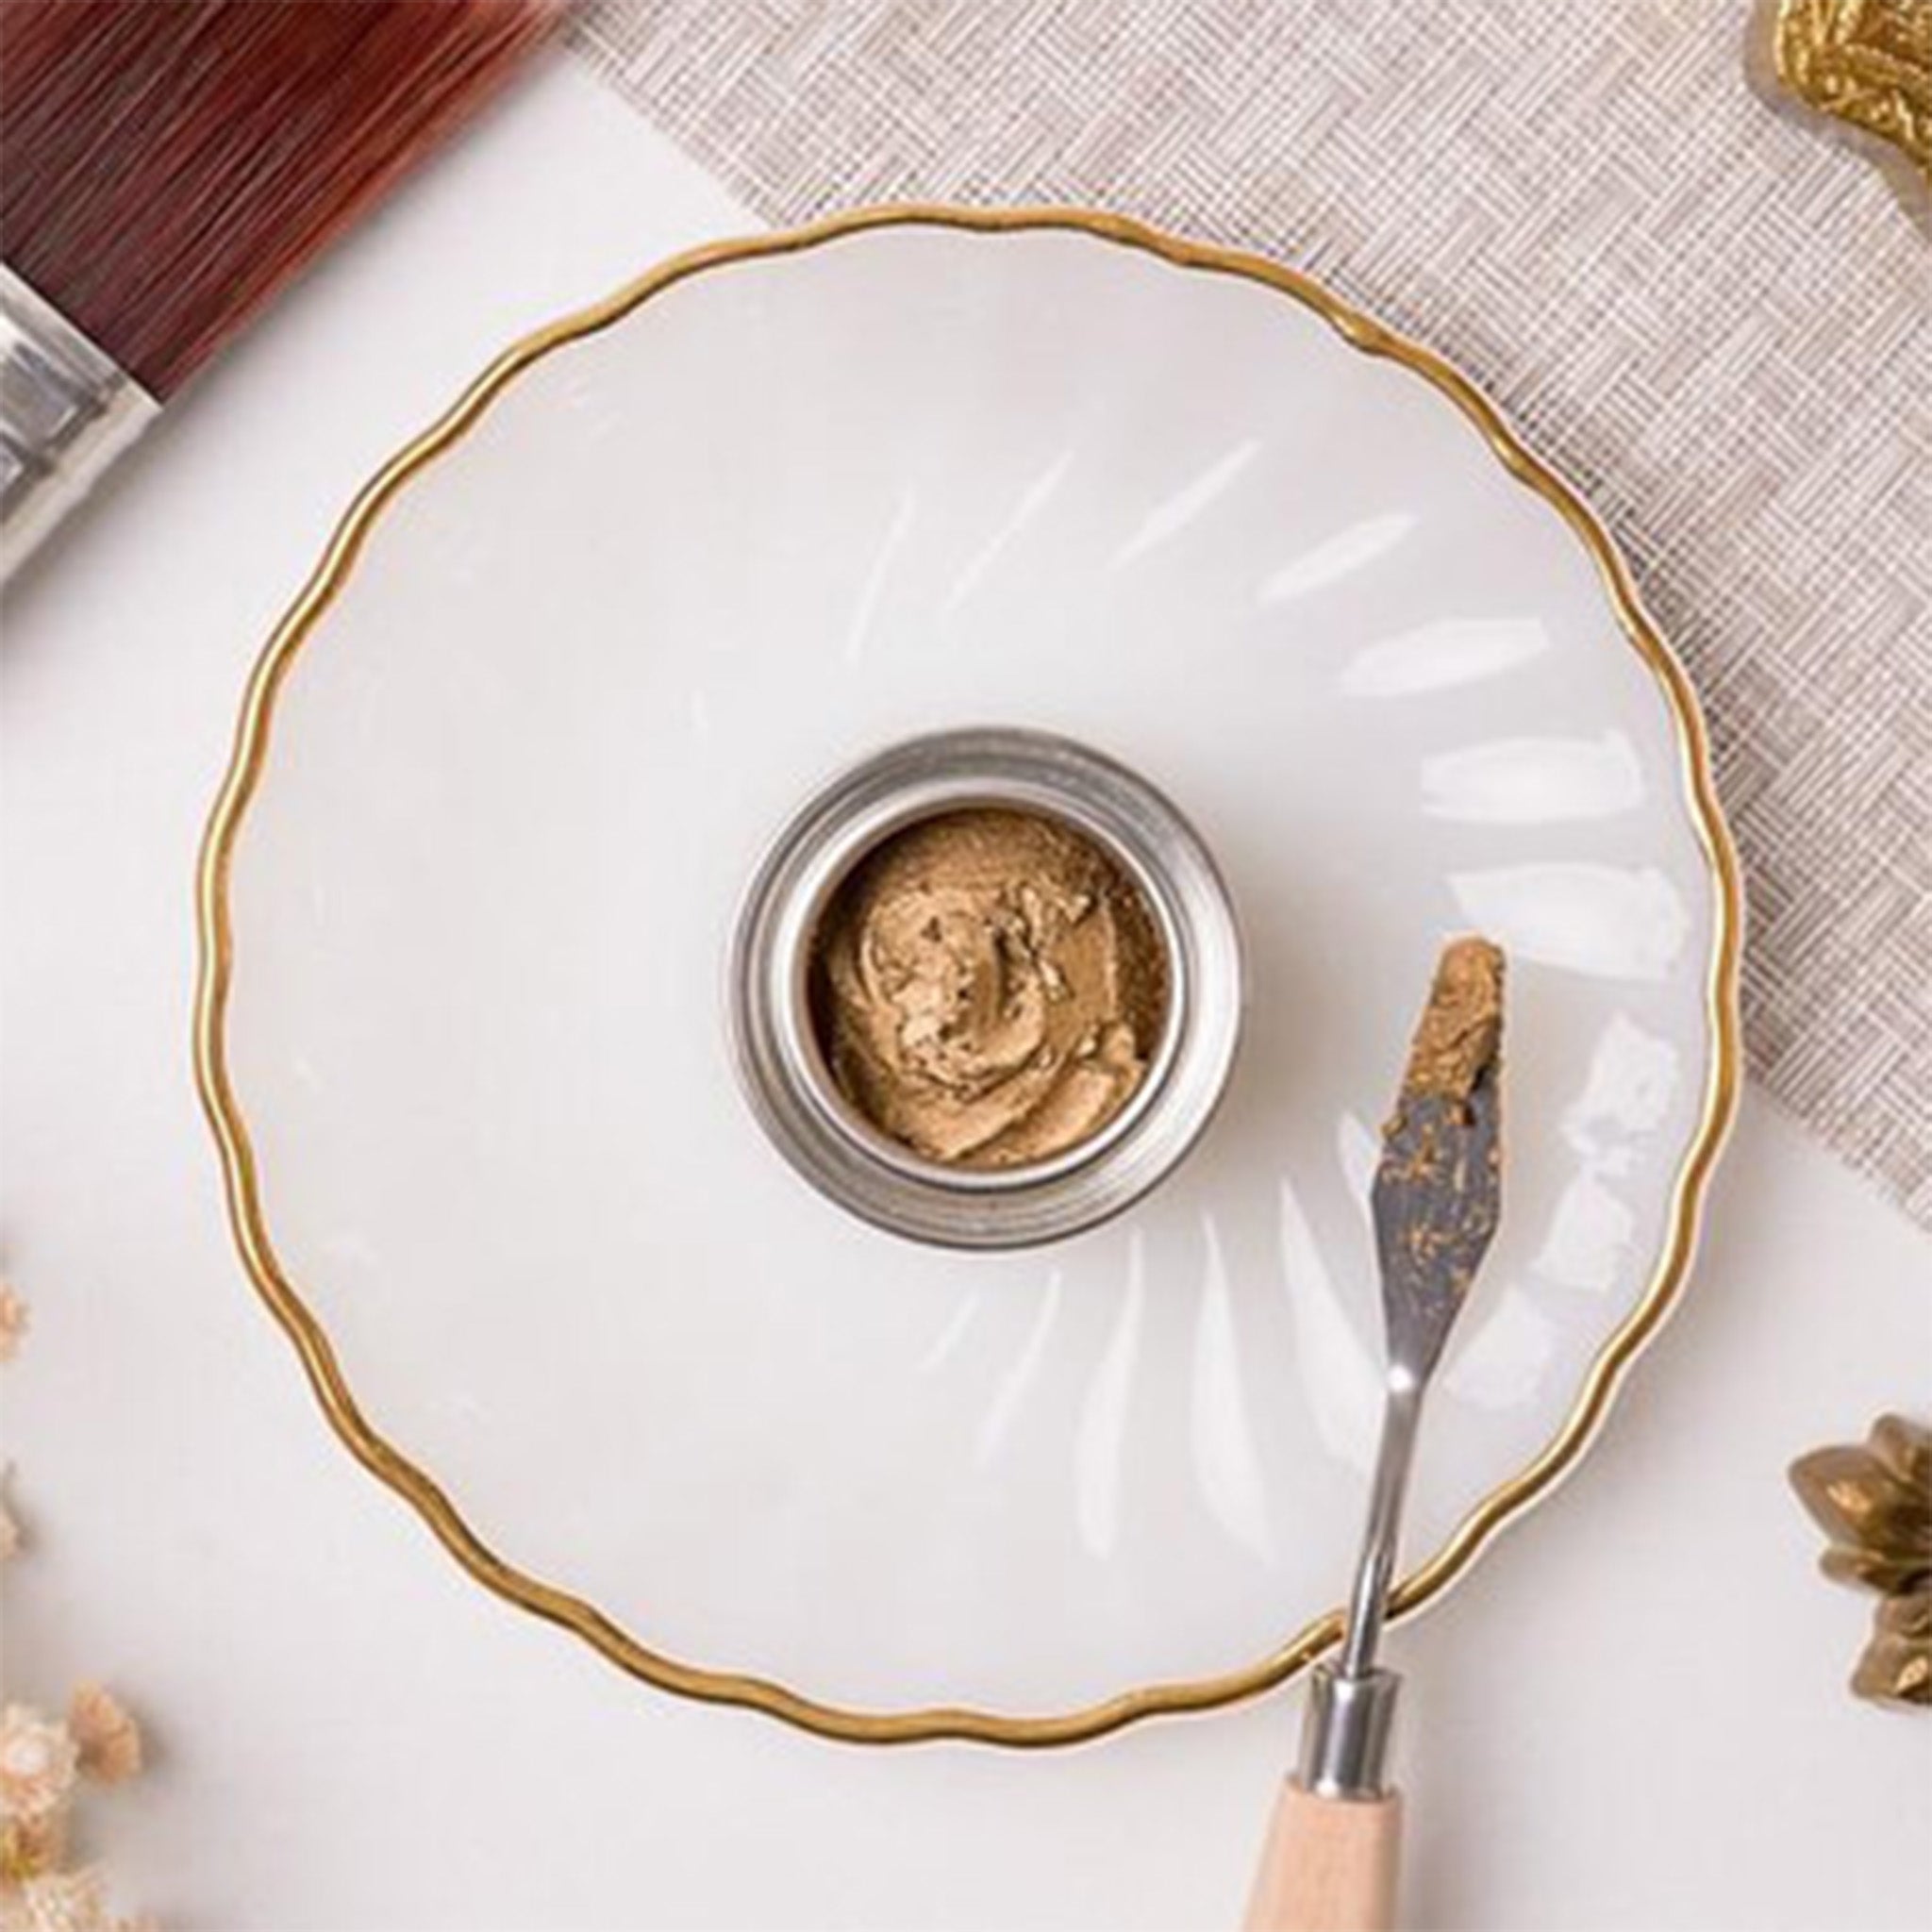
(1716, 321)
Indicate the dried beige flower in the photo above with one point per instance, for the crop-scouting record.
(12, 1321)
(37, 1763)
(106, 1738)
(63, 1902)
(27, 1851)
(42, 1759)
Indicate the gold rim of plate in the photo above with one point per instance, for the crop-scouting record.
(420, 1489)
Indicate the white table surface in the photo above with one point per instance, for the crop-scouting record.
(1632, 1715)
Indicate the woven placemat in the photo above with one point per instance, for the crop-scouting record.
(1715, 321)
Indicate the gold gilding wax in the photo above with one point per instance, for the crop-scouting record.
(987, 987)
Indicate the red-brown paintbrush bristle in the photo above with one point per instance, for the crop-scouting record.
(168, 165)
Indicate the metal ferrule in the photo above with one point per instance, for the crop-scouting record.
(1345, 1733)
(67, 409)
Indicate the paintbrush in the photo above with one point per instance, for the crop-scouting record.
(170, 165)
(1330, 1861)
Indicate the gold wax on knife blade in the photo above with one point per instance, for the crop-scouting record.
(1461, 1033)
(1436, 1194)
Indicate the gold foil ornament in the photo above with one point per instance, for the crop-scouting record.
(1865, 62)
(1874, 1502)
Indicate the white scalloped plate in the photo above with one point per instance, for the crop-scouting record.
(572, 659)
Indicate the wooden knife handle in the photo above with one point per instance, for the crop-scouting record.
(1329, 1864)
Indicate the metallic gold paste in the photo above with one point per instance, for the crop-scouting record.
(987, 987)
(1460, 1036)
(1437, 1187)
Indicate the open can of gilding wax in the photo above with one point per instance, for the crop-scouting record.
(986, 988)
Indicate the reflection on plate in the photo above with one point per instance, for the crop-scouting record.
(569, 664)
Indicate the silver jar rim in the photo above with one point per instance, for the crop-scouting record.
(783, 1069)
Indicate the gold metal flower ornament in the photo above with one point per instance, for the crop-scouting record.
(1874, 1502)
(1867, 64)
